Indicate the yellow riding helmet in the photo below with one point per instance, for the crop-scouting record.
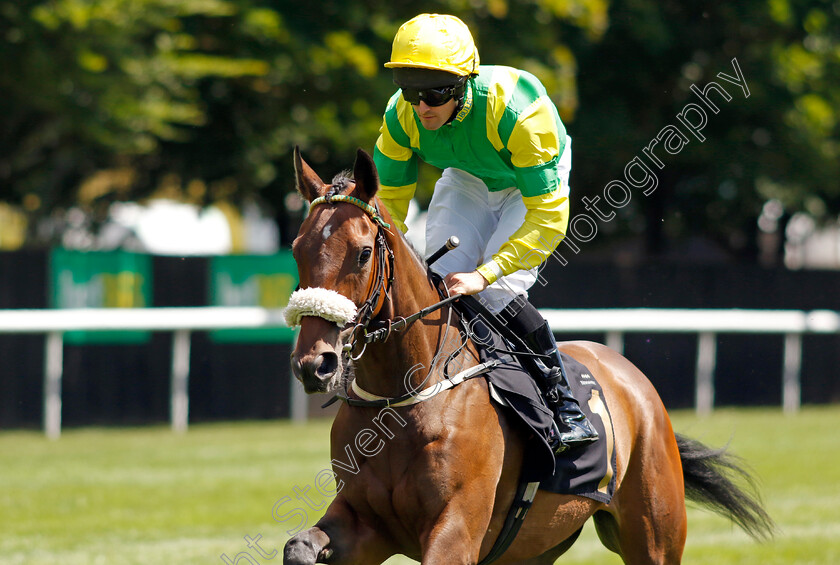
(436, 42)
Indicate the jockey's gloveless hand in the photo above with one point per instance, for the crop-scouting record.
(465, 283)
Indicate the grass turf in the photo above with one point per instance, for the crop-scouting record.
(147, 495)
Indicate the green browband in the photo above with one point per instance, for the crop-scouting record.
(369, 210)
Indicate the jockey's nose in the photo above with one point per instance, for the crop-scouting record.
(315, 372)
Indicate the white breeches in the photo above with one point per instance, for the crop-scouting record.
(463, 206)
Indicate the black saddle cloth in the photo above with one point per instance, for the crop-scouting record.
(586, 471)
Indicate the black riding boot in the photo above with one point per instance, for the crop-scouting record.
(522, 318)
(578, 430)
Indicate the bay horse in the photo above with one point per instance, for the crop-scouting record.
(434, 480)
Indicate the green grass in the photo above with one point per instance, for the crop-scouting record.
(140, 496)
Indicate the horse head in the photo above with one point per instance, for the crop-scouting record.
(340, 269)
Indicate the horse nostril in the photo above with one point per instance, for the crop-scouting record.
(297, 367)
(328, 364)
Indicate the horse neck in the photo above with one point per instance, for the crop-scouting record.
(405, 359)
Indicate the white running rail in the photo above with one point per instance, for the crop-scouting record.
(614, 323)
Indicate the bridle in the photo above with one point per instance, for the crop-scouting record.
(383, 277)
(380, 284)
(378, 291)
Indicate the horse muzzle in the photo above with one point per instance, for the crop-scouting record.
(316, 371)
(316, 360)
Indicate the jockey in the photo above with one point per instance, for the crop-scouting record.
(504, 189)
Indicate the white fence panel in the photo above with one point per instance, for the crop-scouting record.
(614, 323)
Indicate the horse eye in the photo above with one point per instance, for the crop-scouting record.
(364, 256)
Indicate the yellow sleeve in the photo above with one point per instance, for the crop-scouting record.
(546, 219)
(396, 200)
(396, 165)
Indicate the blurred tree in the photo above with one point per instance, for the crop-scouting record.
(93, 85)
(215, 93)
(216, 90)
(783, 142)
(327, 87)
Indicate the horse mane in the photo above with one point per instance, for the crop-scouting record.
(415, 252)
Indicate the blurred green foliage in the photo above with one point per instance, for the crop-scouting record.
(783, 142)
(222, 90)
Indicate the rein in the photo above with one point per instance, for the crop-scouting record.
(369, 307)
(382, 334)
(379, 289)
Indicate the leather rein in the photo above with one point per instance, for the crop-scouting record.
(380, 285)
(379, 290)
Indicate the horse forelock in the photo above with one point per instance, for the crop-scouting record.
(343, 183)
(340, 183)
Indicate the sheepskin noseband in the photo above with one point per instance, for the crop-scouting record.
(320, 302)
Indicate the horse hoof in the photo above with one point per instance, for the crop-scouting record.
(300, 552)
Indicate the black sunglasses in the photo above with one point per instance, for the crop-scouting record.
(431, 96)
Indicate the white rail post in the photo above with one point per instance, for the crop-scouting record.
(791, 388)
(615, 341)
(179, 386)
(705, 379)
(299, 401)
(53, 367)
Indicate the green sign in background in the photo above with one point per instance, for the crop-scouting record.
(253, 280)
(101, 279)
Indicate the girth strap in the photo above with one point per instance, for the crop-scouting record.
(522, 500)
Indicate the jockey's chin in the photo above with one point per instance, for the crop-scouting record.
(434, 117)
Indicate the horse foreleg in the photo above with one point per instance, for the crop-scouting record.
(455, 538)
(338, 538)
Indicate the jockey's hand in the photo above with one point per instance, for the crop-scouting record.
(465, 283)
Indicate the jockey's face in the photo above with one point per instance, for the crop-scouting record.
(433, 117)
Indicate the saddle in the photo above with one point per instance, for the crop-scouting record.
(585, 471)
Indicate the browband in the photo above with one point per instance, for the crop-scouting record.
(369, 210)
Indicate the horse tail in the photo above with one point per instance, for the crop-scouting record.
(709, 476)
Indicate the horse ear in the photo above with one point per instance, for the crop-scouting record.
(364, 173)
(309, 184)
